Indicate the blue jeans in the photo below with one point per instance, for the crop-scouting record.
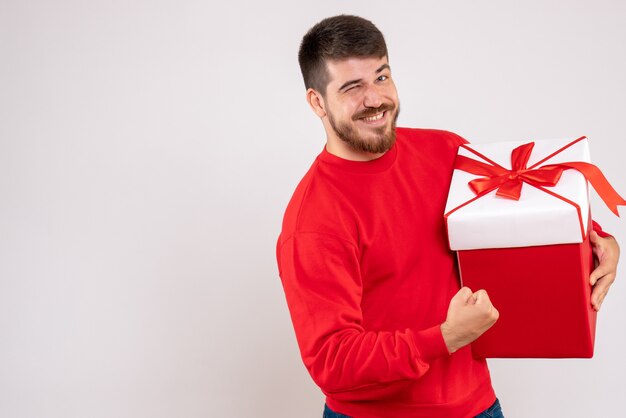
(329, 413)
(494, 411)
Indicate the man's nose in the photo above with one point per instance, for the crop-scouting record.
(372, 97)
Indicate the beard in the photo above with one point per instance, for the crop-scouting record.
(382, 139)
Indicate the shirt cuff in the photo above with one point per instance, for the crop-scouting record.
(596, 227)
(430, 343)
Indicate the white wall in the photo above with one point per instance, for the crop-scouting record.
(147, 152)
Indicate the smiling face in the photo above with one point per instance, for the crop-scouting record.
(359, 108)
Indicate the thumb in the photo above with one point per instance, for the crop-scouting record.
(596, 243)
(593, 237)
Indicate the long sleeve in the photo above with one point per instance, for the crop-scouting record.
(322, 281)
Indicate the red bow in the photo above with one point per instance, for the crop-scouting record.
(509, 182)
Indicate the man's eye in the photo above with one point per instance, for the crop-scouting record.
(382, 78)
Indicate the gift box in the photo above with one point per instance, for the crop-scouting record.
(518, 216)
(543, 296)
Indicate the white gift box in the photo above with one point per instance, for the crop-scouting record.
(542, 216)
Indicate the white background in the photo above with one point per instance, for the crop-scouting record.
(149, 148)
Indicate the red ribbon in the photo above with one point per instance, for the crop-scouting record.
(509, 182)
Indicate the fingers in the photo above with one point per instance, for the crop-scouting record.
(602, 270)
(465, 292)
(463, 297)
(482, 299)
(600, 290)
(481, 296)
(597, 245)
(467, 297)
(606, 251)
(603, 276)
(469, 315)
(472, 299)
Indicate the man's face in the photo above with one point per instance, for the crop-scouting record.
(362, 103)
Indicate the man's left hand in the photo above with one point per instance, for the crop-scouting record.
(606, 251)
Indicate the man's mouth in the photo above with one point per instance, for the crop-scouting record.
(374, 118)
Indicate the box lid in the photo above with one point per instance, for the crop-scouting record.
(542, 215)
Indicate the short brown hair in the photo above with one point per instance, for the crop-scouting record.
(336, 38)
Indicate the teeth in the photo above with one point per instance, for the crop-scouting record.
(375, 117)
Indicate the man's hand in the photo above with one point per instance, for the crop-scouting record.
(606, 252)
(469, 316)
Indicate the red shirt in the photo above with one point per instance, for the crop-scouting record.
(368, 277)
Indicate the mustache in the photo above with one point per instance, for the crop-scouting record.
(365, 113)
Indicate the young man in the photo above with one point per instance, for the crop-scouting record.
(372, 287)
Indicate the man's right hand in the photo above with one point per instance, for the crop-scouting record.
(469, 316)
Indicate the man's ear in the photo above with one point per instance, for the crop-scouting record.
(316, 101)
